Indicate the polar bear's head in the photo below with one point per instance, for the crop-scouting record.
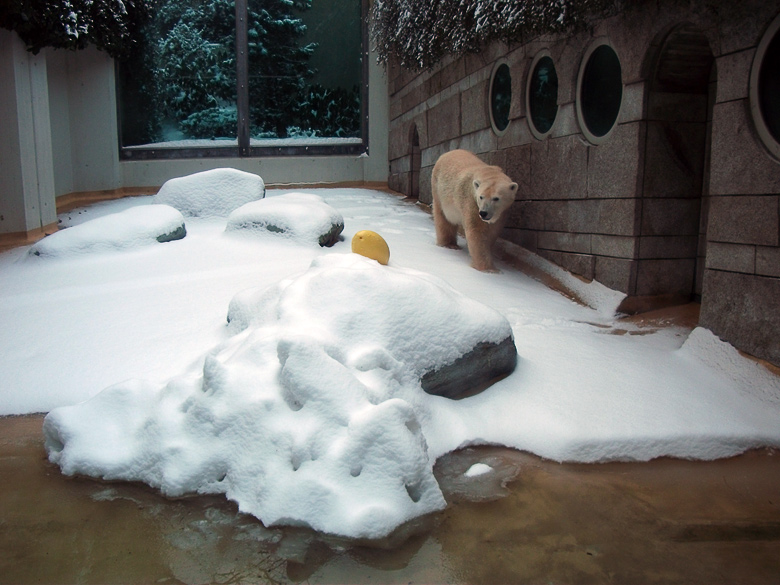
(494, 194)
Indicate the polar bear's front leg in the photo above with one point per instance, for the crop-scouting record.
(479, 243)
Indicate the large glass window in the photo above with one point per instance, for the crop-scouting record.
(765, 88)
(245, 77)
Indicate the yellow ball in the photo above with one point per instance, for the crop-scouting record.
(371, 245)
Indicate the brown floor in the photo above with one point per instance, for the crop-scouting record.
(667, 521)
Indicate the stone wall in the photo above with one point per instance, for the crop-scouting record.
(678, 201)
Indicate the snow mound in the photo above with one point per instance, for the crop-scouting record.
(299, 216)
(137, 226)
(213, 193)
(312, 412)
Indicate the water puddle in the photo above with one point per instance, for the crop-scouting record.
(511, 518)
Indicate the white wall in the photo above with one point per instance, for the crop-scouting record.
(27, 199)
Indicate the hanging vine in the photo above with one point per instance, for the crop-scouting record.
(109, 25)
(420, 32)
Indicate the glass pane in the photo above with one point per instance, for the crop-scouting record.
(543, 95)
(180, 83)
(769, 87)
(501, 97)
(601, 91)
(305, 71)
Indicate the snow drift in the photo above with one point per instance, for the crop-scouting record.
(133, 227)
(298, 216)
(311, 414)
(213, 193)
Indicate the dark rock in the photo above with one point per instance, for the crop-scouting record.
(177, 234)
(474, 371)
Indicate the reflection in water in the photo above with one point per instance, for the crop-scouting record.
(523, 521)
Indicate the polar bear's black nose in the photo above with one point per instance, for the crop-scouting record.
(483, 214)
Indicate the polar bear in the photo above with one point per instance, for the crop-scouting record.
(469, 193)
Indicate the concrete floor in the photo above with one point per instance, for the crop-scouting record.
(667, 521)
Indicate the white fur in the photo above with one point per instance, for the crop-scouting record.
(471, 194)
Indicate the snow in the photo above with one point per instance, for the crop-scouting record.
(299, 216)
(213, 193)
(306, 408)
(137, 226)
(478, 469)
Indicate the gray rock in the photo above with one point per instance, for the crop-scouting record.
(474, 371)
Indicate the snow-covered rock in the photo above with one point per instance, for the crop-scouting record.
(310, 414)
(213, 193)
(137, 226)
(299, 216)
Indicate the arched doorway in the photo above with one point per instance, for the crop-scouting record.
(415, 162)
(672, 243)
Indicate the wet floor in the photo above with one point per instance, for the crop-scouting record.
(666, 521)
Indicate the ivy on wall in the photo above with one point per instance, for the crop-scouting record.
(418, 33)
(109, 25)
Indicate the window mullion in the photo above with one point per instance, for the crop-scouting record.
(242, 77)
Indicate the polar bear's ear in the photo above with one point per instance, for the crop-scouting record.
(513, 187)
(476, 184)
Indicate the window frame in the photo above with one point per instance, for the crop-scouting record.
(586, 131)
(539, 135)
(771, 142)
(496, 66)
(244, 148)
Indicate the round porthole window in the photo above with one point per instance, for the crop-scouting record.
(542, 95)
(500, 97)
(599, 92)
(765, 88)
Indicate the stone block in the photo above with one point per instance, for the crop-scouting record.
(616, 246)
(517, 133)
(517, 166)
(735, 148)
(527, 215)
(734, 75)
(743, 310)
(425, 195)
(613, 167)
(633, 107)
(616, 273)
(668, 246)
(600, 216)
(731, 257)
(566, 123)
(413, 97)
(768, 261)
(744, 220)
(452, 73)
(579, 264)
(670, 217)
(564, 242)
(525, 238)
(479, 142)
(474, 115)
(674, 159)
(741, 24)
(665, 277)
(559, 169)
(444, 120)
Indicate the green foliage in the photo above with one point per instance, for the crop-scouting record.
(420, 32)
(109, 25)
(331, 112)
